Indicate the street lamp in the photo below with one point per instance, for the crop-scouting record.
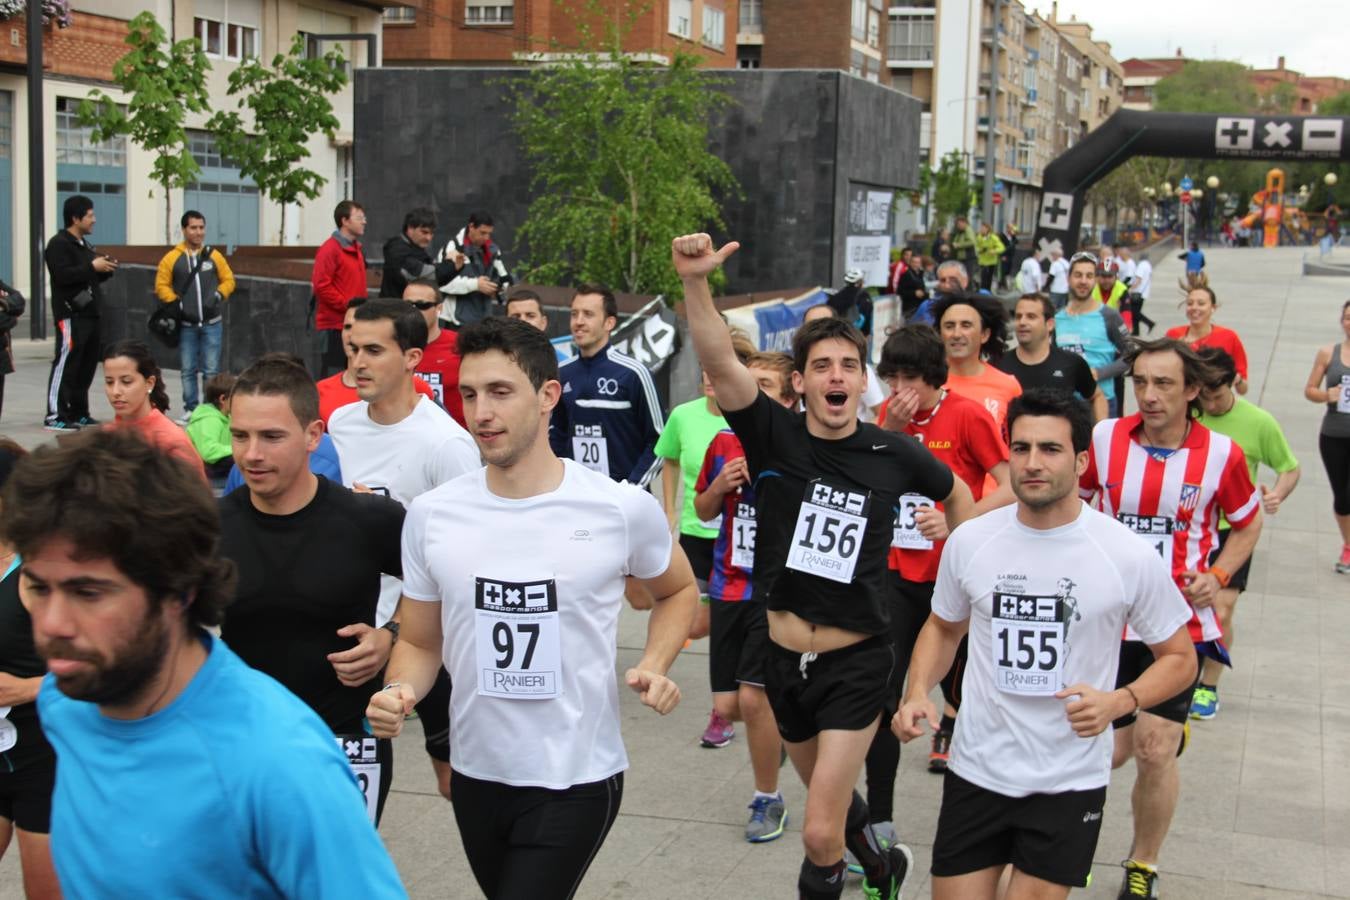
(1330, 179)
(1212, 182)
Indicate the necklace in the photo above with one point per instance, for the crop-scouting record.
(942, 395)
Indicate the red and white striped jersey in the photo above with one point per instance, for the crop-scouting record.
(1172, 500)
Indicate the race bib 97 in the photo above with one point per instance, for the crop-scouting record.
(906, 534)
(1028, 644)
(1157, 530)
(516, 638)
(590, 448)
(829, 533)
(1343, 399)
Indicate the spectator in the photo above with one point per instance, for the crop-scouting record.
(406, 257)
(989, 250)
(952, 278)
(473, 294)
(907, 281)
(12, 306)
(339, 276)
(963, 243)
(1140, 282)
(1031, 279)
(1195, 260)
(77, 273)
(209, 426)
(941, 251)
(1059, 277)
(135, 389)
(199, 277)
(1005, 268)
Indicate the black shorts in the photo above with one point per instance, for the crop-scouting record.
(1048, 836)
(1135, 657)
(26, 795)
(841, 690)
(700, 553)
(737, 644)
(434, 712)
(1239, 581)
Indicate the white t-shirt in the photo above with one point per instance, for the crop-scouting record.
(402, 461)
(1059, 276)
(530, 592)
(1046, 611)
(1031, 275)
(1143, 278)
(1126, 270)
(876, 392)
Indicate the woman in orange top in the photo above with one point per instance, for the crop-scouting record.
(135, 389)
(1200, 304)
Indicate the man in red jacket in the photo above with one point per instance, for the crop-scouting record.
(339, 275)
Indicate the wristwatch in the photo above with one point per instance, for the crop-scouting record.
(392, 627)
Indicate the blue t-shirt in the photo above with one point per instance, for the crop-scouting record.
(236, 789)
(323, 461)
(1086, 336)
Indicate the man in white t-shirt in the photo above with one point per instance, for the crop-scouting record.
(1140, 283)
(1033, 279)
(1044, 589)
(1059, 277)
(527, 626)
(396, 442)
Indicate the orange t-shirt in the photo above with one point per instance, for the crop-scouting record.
(991, 388)
(159, 431)
(1223, 338)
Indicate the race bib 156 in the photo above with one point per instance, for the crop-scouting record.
(829, 533)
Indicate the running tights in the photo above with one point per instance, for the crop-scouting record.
(1336, 457)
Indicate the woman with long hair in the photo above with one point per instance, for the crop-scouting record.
(1329, 383)
(1200, 302)
(135, 389)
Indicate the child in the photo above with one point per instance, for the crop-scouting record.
(209, 426)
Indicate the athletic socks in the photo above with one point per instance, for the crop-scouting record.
(820, 882)
(760, 795)
(948, 723)
(862, 842)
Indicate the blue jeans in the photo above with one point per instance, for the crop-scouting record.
(199, 352)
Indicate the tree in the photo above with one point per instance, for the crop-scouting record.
(1207, 86)
(288, 103)
(1338, 105)
(951, 188)
(620, 161)
(164, 84)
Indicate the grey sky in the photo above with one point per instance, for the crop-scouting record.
(1310, 34)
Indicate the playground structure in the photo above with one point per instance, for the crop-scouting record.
(1280, 222)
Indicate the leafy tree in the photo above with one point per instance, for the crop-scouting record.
(620, 160)
(288, 103)
(1338, 105)
(165, 84)
(952, 188)
(1206, 86)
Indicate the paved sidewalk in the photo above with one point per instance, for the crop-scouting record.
(1265, 807)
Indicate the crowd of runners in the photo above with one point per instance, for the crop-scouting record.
(450, 524)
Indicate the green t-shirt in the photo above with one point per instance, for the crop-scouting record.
(1258, 434)
(689, 430)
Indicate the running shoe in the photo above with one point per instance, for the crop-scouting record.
(886, 837)
(768, 815)
(851, 863)
(902, 860)
(937, 756)
(1140, 881)
(1343, 564)
(1204, 703)
(60, 425)
(718, 733)
(88, 422)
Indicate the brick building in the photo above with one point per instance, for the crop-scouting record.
(1303, 92)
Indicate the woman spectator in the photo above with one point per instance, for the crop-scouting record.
(988, 251)
(135, 389)
(1200, 304)
(1329, 383)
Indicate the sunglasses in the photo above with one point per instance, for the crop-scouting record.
(424, 304)
(1083, 256)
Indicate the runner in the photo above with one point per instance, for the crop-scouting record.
(974, 329)
(1262, 441)
(609, 417)
(1200, 304)
(1091, 329)
(397, 443)
(1044, 588)
(827, 492)
(874, 395)
(527, 626)
(439, 366)
(309, 554)
(740, 631)
(1329, 383)
(183, 773)
(27, 761)
(961, 434)
(135, 389)
(338, 390)
(1167, 477)
(1037, 363)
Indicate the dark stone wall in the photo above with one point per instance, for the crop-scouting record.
(793, 139)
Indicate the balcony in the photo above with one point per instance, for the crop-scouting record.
(1033, 55)
(909, 56)
(1030, 98)
(987, 35)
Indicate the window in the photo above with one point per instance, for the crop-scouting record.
(856, 63)
(752, 16)
(399, 15)
(6, 123)
(228, 41)
(748, 56)
(682, 18)
(714, 27)
(873, 28)
(489, 12)
(74, 145)
(208, 33)
(860, 20)
(911, 39)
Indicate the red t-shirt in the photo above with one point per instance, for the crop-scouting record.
(1223, 338)
(159, 431)
(963, 437)
(440, 369)
(333, 394)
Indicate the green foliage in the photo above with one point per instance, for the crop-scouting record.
(165, 84)
(620, 162)
(952, 188)
(1206, 86)
(1338, 105)
(288, 104)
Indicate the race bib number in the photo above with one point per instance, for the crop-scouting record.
(433, 380)
(905, 534)
(590, 448)
(517, 639)
(363, 757)
(1157, 530)
(1075, 349)
(1028, 644)
(829, 533)
(743, 528)
(1343, 399)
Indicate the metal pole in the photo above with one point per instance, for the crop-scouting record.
(37, 180)
(990, 138)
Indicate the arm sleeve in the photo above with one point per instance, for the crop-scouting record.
(1240, 356)
(649, 540)
(648, 409)
(224, 274)
(755, 426)
(417, 581)
(711, 468)
(1083, 382)
(950, 602)
(211, 437)
(985, 442)
(1237, 496)
(1275, 450)
(65, 269)
(455, 456)
(324, 281)
(668, 444)
(164, 277)
(928, 475)
(1118, 334)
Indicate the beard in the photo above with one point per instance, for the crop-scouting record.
(119, 679)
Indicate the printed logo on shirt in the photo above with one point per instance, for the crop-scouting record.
(567, 388)
(1190, 497)
(939, 445)
(606, 387)
(844, 501)
(517, 638)
(528, 597)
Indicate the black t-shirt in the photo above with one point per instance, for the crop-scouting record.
(301, 578)
(825, 510)
(18, 657)
(1061, 370)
